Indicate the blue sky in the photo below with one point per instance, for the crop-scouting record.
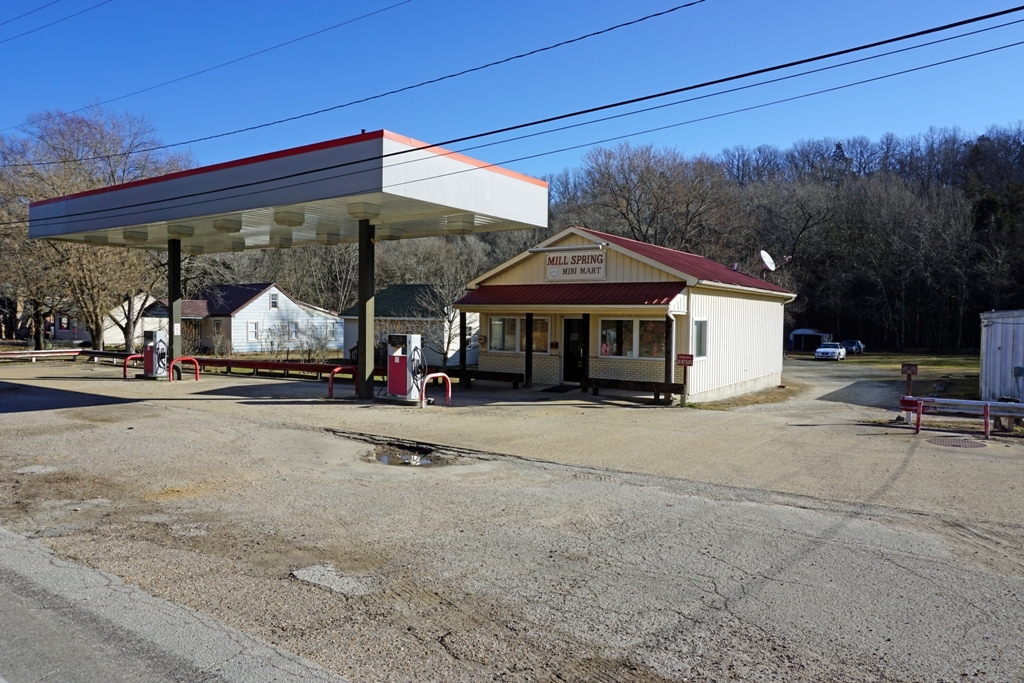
(124, 46)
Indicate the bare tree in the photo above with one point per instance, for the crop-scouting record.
(58, 153)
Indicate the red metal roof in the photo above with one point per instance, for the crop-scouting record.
(691, 264)
(575, 294)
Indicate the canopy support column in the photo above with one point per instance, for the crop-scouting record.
(174, 298)
(365, 353)
(585, 380)
(528, 370)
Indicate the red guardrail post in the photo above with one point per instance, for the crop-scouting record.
(182, 359)
(448, 387)
(920, 410)
(127, 360)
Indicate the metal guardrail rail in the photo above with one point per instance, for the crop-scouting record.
(919, 405)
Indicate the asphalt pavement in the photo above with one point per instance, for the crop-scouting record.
(65, 623)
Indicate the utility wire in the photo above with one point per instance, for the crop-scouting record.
(737, 88)
(31, 11)
(52, 23)
(406, 88)
(300, 174)
(234, 61)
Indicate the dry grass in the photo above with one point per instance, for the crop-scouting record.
(777, 394)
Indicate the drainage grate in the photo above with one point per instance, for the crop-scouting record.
(956, 442)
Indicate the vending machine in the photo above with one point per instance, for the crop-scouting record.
(406, 368)
(154, 354)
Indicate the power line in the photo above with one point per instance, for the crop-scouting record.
(406, 88)
(31, 11)
(744, 87)
(234, 61)
(52, 23)
(507, 161)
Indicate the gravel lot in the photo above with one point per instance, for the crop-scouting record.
(558, 537)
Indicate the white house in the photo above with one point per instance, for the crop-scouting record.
(412, 309)
(608, 307)
(258, 317)
(67, 327)
(1002, 355)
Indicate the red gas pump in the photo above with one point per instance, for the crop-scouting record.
(154, 354)
(405, 367)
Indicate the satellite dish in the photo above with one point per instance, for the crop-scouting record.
(767, 260)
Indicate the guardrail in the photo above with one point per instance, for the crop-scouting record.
(447, 383)
(40, 355)
(951, 406)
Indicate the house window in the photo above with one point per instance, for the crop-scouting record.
(216, 326)
(509, 334)
(332, 330)
(700, 338)
(293, 330)
(632, 338)
(252, 330)
(652, 338)
(617, 338)
(540, 335)
(503, 334)
(273, 300)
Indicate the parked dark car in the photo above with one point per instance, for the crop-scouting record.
(853, 345)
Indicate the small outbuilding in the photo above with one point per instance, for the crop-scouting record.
(416, 309)
(807, 339)
(585, 304)
(1002, 355)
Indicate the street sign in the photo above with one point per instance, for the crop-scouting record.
(908, 369)
(684, 359)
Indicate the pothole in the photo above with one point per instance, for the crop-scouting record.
(406, 456)
(956, 442)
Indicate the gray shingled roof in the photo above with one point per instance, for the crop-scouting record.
(397, 301)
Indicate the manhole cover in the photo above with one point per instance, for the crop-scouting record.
(956, 442)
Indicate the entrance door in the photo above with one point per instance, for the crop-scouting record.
(572, 356)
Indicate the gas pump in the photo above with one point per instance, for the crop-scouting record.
(405, 367)
(154, 354)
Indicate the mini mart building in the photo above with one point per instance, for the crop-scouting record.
(607, 307)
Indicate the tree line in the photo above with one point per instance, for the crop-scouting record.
(900, 241)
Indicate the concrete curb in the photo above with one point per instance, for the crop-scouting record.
(170, 637)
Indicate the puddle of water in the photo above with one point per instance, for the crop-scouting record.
(408, 457)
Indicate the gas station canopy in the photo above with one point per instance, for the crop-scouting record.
(307, 195)
(364, 188)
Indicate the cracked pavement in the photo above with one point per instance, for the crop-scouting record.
(567, 539)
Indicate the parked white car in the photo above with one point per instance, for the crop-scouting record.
(830, 351)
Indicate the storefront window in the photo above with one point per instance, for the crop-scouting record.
(503, 334)
(617, 338)
(700, 338)
(652, 338)
(540, 335)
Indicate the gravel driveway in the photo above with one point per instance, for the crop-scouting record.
(554, 539)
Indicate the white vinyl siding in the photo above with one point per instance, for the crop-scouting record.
(277, 325)
(744, 343)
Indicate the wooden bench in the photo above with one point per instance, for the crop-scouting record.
(657, 388)
(466, 377)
